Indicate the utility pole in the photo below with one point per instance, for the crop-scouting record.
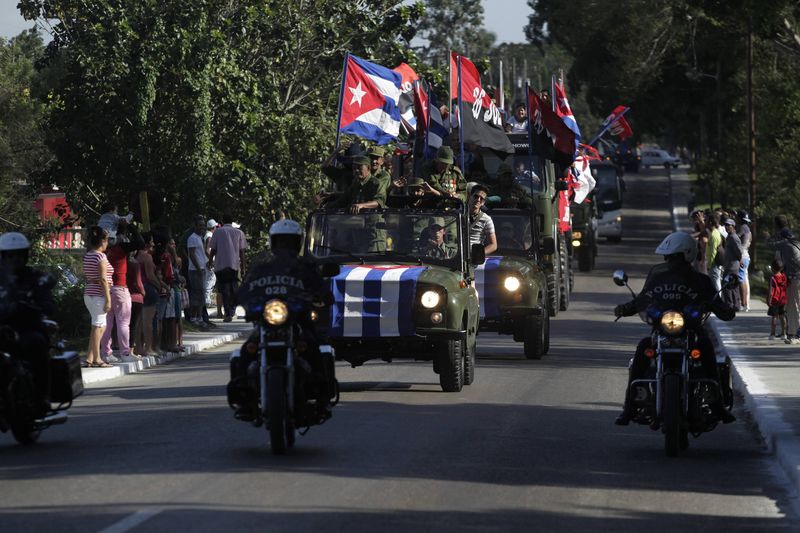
(751, 133)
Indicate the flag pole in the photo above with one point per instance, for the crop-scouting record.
(420, 143)
(341, 97)
(450, 89)
(553, 91)
(460, 122)
(502, 99)
(530, 133)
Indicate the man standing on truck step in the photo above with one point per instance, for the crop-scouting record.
(481, 227)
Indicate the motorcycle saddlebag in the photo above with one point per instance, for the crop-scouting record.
(66, 382)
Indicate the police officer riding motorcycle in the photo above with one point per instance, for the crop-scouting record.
(25, 363)
(676, 299)
(283, 375)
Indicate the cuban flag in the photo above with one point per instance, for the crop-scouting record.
(374, 301)
(488, 282)
(370, 101)
(565, 112)
(584, 181)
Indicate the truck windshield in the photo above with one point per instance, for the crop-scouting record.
(393, 235)
(609, 195)
(514, 231)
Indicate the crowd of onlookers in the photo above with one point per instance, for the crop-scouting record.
(142, 286)
(724, 241)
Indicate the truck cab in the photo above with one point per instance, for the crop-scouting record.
(608, 195)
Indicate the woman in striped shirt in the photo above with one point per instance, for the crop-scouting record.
(97, 293)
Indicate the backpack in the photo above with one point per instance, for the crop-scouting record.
(777, 290)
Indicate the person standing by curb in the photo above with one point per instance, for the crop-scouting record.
(227, 245)
(788, 250)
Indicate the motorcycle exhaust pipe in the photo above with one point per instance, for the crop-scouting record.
(59, 417)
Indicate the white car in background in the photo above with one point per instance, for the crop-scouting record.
(654, 157)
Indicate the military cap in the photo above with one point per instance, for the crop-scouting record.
(376, 152)
(445, 155)
(416, 182)
(361, 160)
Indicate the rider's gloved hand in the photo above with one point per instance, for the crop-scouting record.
(619, 311)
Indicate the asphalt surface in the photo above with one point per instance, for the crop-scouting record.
(530, 446)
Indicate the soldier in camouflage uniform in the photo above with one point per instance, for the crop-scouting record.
(365, 192)
(376, 156)
(511, 193)
(447, 178)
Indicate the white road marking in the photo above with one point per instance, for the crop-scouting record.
(131, 521)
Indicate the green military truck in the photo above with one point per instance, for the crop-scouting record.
(512, 284)
(410, 296)
(584, 233)
(538, 177)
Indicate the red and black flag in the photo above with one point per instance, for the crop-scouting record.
(479, 119)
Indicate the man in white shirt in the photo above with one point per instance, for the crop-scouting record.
(198, 263)
(481, 226)
(519, 121)
(227, 245)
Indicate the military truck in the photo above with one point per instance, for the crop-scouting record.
(405, 290)
(538, 176)
(584, 233)
(512, 284)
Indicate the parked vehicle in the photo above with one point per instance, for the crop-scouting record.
(655, 157)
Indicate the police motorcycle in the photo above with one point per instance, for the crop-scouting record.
(24, 410)
(675, 395)
(283, 378)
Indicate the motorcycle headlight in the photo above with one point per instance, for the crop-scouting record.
(672, 322)
(314, 316)
(275, 312)
(511, 283)
(430, 299)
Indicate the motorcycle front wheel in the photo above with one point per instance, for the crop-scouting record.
(671, 414)
(276, 410)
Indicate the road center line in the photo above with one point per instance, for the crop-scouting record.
(131, 521)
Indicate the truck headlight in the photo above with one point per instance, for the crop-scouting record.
(511, 283)
(576, 243)
(672, 322)
(430, 299)
(618, 219)
(275, 312)
(577, 234)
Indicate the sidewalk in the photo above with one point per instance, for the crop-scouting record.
(766, 373)
(193, 341)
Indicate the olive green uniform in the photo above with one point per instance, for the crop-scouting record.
(510, 193)
(449, 181)
(369, 238)
(440, 251)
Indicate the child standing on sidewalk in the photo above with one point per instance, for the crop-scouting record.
(777, 299)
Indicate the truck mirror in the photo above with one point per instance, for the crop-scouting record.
(548, 246)
(477, 254)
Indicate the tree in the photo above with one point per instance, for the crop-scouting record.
(209, 105)
(454, 25)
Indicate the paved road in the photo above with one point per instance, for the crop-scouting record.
(529, 447)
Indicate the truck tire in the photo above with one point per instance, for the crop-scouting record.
(566, 286)
(451, 366)
(469, 361)
(553, 291)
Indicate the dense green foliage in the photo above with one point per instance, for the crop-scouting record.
(209, 105)
(681, 66)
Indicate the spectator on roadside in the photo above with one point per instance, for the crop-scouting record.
(198, 264)
(128, 240)
(777, 300)
(746, 236)
(97, 292)
(714, 251)
(733, 257)
(153, 286)
(110, 220)
(173, 328)
(787, 249)
(166, 304)
(211, 278)
(700, 235)
(227, 245)
(136, 288)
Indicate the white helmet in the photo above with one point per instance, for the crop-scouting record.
(13, 241)
(679, 242)
(285, 227)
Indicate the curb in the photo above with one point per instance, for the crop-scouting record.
(778, 436)
(96, 375)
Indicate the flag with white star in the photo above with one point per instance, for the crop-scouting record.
(370, 98)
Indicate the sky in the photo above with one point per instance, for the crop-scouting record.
(504, 18)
